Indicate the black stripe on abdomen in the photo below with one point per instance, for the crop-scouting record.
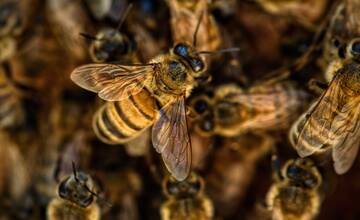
(108, 125)
(124, 118)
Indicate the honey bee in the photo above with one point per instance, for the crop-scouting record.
(76, 199)
(68, 19)
(305, 12)
(184, 17)
(136, 92)
(11, 110)
(112, 45)
(232, 110)
(332, 121)
(295, 193)
(186, 199)
(228, 181)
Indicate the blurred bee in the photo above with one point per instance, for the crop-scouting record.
(112, 45)
(228, 181)
(11, 110)
(184, 18)
(11, 23)
(99, 8)
(68, 19)
(76, 199)
(186, 200)
(7, 48)
(233, 111)
(14, 176)
(139, 90)
(332, 121)
(295, 193)
(306, 12)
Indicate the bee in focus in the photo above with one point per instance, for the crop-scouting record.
(186, 199)
(305, 12)
(110, 44)
(76, 199)
(332, 122)
(295, 193)
(11, 110)
(136, 92)
(67, 19)
(184, 18)
(233, 169)
(233, 111)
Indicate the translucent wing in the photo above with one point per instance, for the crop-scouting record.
(113, 82)
(345, 151)
(170, 138)
(327, 121)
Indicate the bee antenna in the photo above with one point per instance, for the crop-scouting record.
(197, 29)
(126, 13)
(74, 171)
(97, 196)
(89, 37)
(226, 50)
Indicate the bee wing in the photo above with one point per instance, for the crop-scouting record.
(328, 120)
(170, 137)
(113, 82)
(345, 151)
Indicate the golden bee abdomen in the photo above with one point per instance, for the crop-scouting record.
(119, 122)
(11, 112)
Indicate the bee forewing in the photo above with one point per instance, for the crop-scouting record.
(319, 130)
(113, 82)
(345, 152)
(170, 138)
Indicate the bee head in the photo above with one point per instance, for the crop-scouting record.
(76, 189)
(204, 122)
(188, 54)
(303, 172)
(189, 187)
(110, 45)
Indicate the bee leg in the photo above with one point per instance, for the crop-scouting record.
(276, 166)
(317, 87)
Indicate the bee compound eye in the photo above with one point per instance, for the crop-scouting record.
(355, 48)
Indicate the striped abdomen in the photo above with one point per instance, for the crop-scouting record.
(119, 122)
(11, 110)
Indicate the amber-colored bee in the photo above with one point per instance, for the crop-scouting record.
(332, 122)
(76, 199)
(295, 194)
(11, 110)
(306, 12)
(233, 110)
(186, 199)
(233, 169)
(184, 19)
(137, 91)
(67, 19)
